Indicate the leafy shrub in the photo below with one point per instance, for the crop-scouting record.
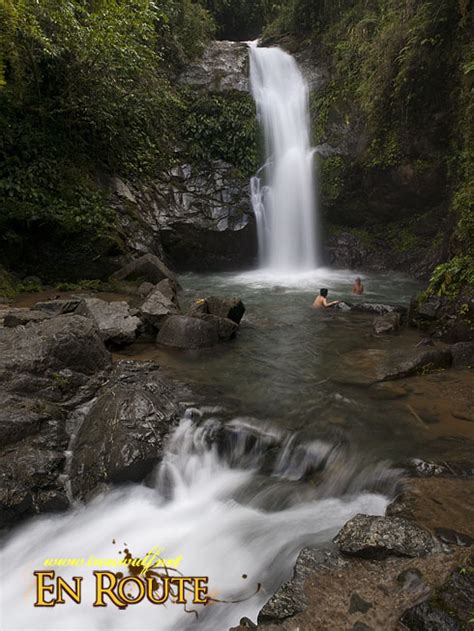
(221, 127)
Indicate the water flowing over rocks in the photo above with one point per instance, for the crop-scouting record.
(57, 383)
(378, 537)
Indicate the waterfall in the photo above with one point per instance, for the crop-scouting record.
(235, 501)
(284, 195)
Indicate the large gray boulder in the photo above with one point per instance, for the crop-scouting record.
(187, 332)
(157, 307)
(20, 317)
(44, 367)
(226, 328)
(122, 436)
(170, 289)
(146, 268)
(117, 326)
(373, 537)
(231, 308)
(31, 356)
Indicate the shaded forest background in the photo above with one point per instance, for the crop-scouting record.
(88, 87)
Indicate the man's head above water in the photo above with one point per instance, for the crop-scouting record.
(323, 292)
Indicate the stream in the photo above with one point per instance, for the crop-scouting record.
(280, 453)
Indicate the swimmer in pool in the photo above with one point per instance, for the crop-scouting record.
(358, 287)
(321, 301)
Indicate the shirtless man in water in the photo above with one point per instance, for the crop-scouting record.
(358, 287)
(321, 300)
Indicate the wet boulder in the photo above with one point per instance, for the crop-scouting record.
(43, 367)
(32, 356)
(198, 308)
(428, 309)
(146, 268)
(187, 332)
(372, 537)
(20, 317)
(117, 326)
(122, 436)
(463, 354)
(226, 329)
(387, 323)
(157, 307)
(230, 308)
(170, 289)
(449, 607)
(57, 307)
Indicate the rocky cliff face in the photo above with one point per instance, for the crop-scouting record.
(198, 219)
(197, 214)
(223, 66)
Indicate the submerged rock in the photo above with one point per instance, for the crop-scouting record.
(20, 317)
(366, 367)
(373, 537)
(146, 268)
(117, 326)
(187, 332)
(377, 308)
(123, 433)
(388, 323)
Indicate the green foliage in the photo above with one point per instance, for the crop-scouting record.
(331, 178)
(450, 278)
(85, 89)
(241, 20)
(7, 286)
(221, 127)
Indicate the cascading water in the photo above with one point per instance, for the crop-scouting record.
(236, 501)
(283, 191)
